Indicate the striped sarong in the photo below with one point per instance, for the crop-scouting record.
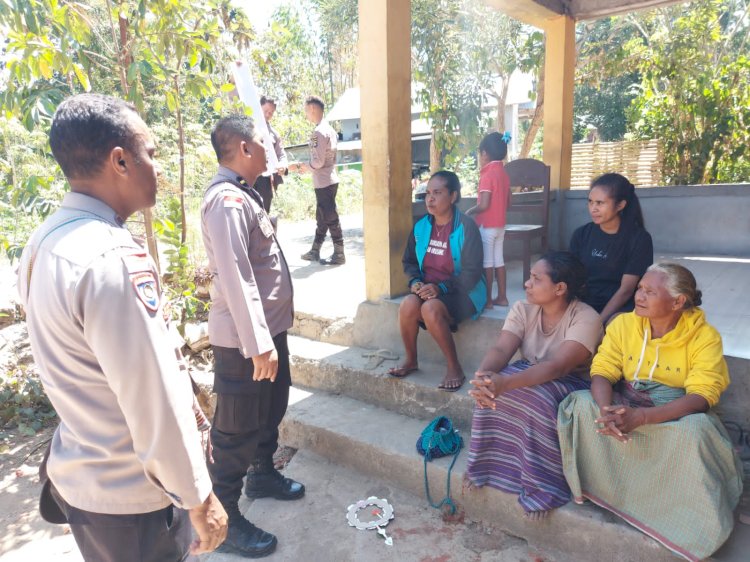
(678, 481)
(514, 448)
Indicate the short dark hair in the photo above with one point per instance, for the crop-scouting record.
(85, 129)
(264, 100)
(452, 183)
(494, 145)
(315, 100)
(619, 188)
(233, 127)
(564, 267)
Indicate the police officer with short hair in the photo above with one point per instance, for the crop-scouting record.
(268, 181)
(251, 311)
(126, 467)
(322, 165)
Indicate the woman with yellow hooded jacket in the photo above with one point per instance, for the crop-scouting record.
(642, 442)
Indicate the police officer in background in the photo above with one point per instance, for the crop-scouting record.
(125, 466)
(268, 181)
(251, 311)
(322, 165)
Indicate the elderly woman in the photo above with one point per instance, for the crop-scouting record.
(650, 450)
(514, 430)
(443, 260)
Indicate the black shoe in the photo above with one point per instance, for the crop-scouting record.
(272, 484)
(247, 540)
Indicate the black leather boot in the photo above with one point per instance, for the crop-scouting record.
(246, 539)
(264, 481)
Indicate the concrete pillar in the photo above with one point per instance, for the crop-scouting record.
(559, 69)
(385, 81)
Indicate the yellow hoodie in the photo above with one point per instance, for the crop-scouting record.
(690, 356)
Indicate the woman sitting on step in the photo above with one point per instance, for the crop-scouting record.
(443, 261)
(514, 444)
(650, 450)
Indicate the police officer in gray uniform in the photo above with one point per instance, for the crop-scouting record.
(125, 466)
(268, 181)
(251, 311)
(322, 165)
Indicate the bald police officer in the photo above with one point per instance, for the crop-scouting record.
(251, 311)
(126, 464)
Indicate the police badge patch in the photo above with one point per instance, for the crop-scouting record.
(146, 289)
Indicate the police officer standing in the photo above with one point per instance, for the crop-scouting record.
(251, 310)
(322, 165)
(268, 181)
(125, 466)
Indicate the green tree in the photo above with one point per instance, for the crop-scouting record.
(695, 88)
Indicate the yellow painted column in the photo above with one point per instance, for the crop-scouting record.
(559, 70)
(385, 86)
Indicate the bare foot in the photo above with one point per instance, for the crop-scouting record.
(489, 305)
(537, 516)
(403, 370)
(452, 381)
(500, 301)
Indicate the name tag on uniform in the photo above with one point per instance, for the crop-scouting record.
(266, 227)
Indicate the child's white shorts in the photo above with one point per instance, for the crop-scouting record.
(492, 243)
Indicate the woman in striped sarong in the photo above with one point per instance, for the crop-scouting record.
(514, 444)
(649, 449)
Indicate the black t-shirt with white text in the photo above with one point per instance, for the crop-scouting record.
(608, 257)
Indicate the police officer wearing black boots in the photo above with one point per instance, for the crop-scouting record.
(251, 311)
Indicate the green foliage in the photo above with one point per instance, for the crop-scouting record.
(179, 276)
(691, 68)
(696, 90)
(23, 402)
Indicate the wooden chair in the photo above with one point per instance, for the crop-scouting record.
(529, 174)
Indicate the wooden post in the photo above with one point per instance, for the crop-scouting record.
(385, 86)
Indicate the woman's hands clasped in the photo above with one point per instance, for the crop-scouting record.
(425, 291)
(619, 421)
(487, 387)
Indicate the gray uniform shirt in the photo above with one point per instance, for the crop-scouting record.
(251, 289)
(323, 143)
(280, 155)
(127, 441)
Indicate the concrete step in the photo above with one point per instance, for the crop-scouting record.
(381, 444)
(348, 371)
(334, 329)
(376, 326)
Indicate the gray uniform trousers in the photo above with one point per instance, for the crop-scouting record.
(327, 216)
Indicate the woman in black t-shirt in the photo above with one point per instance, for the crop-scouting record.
(614, 247)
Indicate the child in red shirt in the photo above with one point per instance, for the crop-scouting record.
(493, 201)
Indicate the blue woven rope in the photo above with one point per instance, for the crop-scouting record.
(448, 442)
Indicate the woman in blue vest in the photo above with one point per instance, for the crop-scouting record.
(443, 260)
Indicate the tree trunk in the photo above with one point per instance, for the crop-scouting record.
(125, 60)
(501, 97)
(537, 118)
(434, 154)
(181, 145)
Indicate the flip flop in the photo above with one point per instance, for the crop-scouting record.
(401, 372)
(444, 388)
